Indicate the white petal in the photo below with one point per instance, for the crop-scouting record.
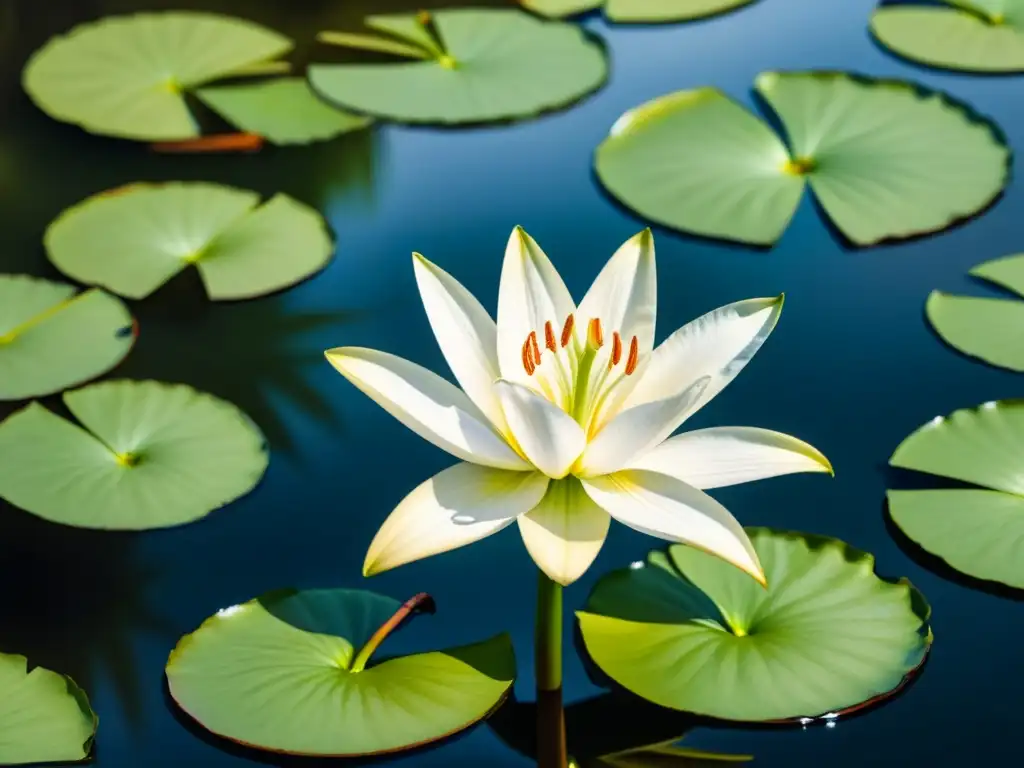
(547, 435)
(718, 344)
(624, 294)
(458, 506)
(637, 430)
(466, 334)
(433, 408)
(720, 456)
(667, 508)
(531, 294)
(565, 531)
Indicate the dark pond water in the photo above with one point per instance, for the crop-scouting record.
(852, 368)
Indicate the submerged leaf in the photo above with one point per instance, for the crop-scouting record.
(690, 632)
(486, 64)
(52, 338)
(126, 75)
(146, 455)
(44, 716)
(132, 241)
(978, 532)
(285, 673)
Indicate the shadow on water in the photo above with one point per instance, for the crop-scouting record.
(78, 602)
(249, 353)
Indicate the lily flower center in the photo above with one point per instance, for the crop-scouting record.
(576, 377)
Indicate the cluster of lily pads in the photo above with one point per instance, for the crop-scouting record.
(293, 671)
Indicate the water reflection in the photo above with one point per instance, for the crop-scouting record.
(75, 602)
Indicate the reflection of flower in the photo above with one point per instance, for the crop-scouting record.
(564, 412)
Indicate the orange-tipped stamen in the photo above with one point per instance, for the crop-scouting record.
(616, 350)
(528, 358)
(567, 330)
(535, 348)
(634, 356)
(549, 337)
(594, 336)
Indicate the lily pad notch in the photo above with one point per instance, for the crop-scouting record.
(979, 530)
(637, 11)
(985, 328)
(53, 337)
(128, 77)
(978, 36)
(688, 632)
(144, 454)
(292, 672)
(133, 239)
(462, 66)
(44, 716)
(885, 159)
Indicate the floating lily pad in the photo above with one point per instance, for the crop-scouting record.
(52, 338)
(283, 110)
(147, 455)
(465, 66)
(989, 329)
(126, 76)
(979, 531)
(642, 11)
(884, 159)
(688, 631)
(44, 717)
(980, 36)
(288, 672)
(134, 239)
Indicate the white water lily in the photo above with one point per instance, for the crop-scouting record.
(565, 412)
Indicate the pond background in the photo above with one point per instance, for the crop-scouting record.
(851, 368)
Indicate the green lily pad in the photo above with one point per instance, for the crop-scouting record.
(688, 631)
(147, 455)
(884, 159)
(134, 239)
(283, 110)
(126, 76)
(986, 328)
(287, 673)
(637, 11)
(981, 36)
(979, 531)
(44, 717)
(52, 338)
(466, 66)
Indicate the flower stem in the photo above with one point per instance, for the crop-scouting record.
(551, 748)
(421, 603)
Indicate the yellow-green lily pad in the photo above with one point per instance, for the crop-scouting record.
(283, 110)
(463, 66)
(636, 11)
(134, 239)
(53, 337)
(143, 454)
(291, 672)
(983, 36)
(126, 76)
(884, 159)
(44, 716)
(978, 531)
(989, 329)
(687, 631)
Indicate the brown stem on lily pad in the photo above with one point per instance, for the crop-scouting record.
(224, 142)
(421, 603)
